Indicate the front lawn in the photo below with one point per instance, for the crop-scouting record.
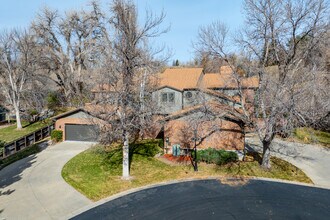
(96, 172)
(10, 133)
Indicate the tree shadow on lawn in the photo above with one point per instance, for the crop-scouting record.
(145, 149)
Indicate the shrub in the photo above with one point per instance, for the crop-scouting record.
(147, 147)
(54, 100)
(57, 135)
(226, 157)
(218, 157)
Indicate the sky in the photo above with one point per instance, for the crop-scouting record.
(183, 16)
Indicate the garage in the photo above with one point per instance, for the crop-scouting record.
(78, 132)
(78, 125)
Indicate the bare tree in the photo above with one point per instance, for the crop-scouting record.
(68, 47)
(282, 34)
(17, 65)
(127, 76)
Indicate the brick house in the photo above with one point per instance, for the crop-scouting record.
(182, 95)
(179, 95)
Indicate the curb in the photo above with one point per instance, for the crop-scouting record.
(134, 190)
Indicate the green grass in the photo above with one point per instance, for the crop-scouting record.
(19, 155)
(96, 172)
(10, 133)
(309, 136)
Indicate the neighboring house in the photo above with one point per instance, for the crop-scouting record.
(4, 114)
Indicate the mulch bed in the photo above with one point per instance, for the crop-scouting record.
(178, 159)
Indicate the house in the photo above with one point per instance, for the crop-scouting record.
(77, 125)
(182, 95)
(180, 88)
(3, 114)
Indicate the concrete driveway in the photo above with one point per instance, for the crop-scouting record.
(33, 188)
(312, 159)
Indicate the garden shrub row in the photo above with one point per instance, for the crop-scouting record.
(218, 157)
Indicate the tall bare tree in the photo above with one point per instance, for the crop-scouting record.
(283, 34)
(68, 46)
(17, 65)
(127, 75)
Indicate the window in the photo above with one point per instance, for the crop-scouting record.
(171, 97)
(188, 95)
(168, 97)
(164, 97)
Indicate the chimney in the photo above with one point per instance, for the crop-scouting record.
(225, 70)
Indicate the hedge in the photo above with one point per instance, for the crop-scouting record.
(218, 157)
(57, 135)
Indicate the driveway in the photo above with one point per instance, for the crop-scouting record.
(33, 188)
(312, 159)
(211, 199)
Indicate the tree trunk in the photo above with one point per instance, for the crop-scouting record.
(18, 119)
(126, 157)
(266, 155)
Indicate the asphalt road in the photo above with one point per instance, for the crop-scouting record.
(210, 199)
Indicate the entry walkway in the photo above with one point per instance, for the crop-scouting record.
(33, 188)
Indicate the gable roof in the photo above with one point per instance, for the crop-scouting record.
(180, 78)
(227, 80)
(223, 111)
(68, 113)
(195, 78)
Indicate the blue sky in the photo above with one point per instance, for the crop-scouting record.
(184, 17)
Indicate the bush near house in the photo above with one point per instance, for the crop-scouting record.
(57, 135)
(218, 157)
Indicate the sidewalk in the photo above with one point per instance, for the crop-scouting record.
(313, 160)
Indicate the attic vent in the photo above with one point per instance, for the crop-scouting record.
(188, 95)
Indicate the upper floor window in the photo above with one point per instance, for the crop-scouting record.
(188, 95)
(168, 97)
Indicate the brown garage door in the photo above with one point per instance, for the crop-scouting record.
(75, 132)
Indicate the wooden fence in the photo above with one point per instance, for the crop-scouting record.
(26, 141)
